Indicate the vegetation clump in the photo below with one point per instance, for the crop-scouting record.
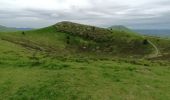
(145, 42)
(23, 33)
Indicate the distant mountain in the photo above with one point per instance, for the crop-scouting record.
(120, 28)
(24, 29)
(7, 29)
(151, 32)
(12, 29)
(154, 32)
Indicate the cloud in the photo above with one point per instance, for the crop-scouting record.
(39, 13)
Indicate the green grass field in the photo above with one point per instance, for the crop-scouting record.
(50, 64)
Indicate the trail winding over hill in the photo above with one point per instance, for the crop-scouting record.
(157, 52)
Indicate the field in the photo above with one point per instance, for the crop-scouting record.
(48, 64)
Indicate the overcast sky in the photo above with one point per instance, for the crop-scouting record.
(41, 13)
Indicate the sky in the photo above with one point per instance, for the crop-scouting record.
(136, 14)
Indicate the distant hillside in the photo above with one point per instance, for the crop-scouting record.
(7, 29)
(12, 29)
(120, 28)
(154, 32)
(24, 29)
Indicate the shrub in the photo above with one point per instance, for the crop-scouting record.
(145, 42)
(68, 39)
(23, 33)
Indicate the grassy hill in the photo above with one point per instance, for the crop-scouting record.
(70, 61)
(72, 38)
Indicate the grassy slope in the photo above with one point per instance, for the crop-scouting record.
(27, 73)
(163, 45)
(43, 77)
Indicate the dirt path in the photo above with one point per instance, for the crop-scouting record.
(157, 52)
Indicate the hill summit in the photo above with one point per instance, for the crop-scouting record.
(112, 41)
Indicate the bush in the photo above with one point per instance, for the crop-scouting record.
(145, 42)
(23, 33)
(68, 39)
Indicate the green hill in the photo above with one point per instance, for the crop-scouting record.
(70, 61)
(72, 38)
(7, 29)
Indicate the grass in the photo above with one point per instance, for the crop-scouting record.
(84, 80)
(161, 43)
(41, 65)
(79, 78)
